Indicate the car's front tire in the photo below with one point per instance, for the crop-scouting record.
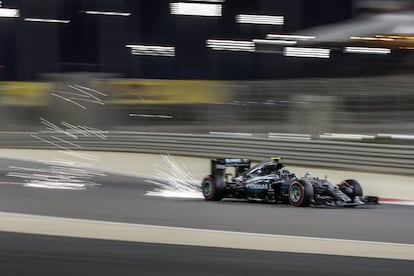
(351, 188)
(300, 193)
(213, 187)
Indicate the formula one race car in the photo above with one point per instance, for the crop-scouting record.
(269, 182)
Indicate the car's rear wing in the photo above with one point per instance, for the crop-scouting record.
(219, 165)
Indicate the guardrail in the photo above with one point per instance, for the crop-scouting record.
(383, 158)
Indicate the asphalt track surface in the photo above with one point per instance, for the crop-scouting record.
(123, 199)
(45, 255)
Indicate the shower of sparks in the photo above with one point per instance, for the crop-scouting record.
(174, 180)
(64, 174)
(61, 174)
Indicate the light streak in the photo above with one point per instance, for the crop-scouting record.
(69, 100)
(48, 142)
(306, 52)
(9, 12)
(231, 45)
(44, 20)
(367, 50)
(260, 19)
(290, 37)
(230, 133)
(90, 89)
(80, 96)
(10, 183)
(396, 136)
(108, 13)
(371, 38)
(67, 142)
(88, 100)
(275, 42)
(73, 131)
(84, 130)
(93, 131)
(80, 155)
(345, 136)
(152, 50)
(290, 136)
(27, 169)
(64, 162)
(197, 9)
(151, 116)
(68, 151)
(53, 127)
(82, 90)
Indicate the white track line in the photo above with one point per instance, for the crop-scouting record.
(405, 203)
(94, 229)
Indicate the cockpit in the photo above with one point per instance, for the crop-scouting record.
(264, 168)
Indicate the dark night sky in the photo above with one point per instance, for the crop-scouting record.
(320, 12)
(79, 43)
(157, 26)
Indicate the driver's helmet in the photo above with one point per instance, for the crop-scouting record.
(279, 166)
(270, 169)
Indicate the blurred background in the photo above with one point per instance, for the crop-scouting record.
(306, 67)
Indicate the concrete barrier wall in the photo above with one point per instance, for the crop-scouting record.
(362, 156)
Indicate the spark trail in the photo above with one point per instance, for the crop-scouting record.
(61, 173)
(174, 180)
(80, 94)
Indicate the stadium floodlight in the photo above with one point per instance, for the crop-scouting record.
(108, 13)
(306, 52)
(44, 20)
(9, 12)
(231, 45)
(152, 50)
(196, 9)
(260, 19)
(275, 42)
(367, 50)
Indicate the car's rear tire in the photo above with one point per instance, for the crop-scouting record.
(300, 193)
(355, 186)
(213, 187)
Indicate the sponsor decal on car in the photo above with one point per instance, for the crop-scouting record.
(257, 186)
